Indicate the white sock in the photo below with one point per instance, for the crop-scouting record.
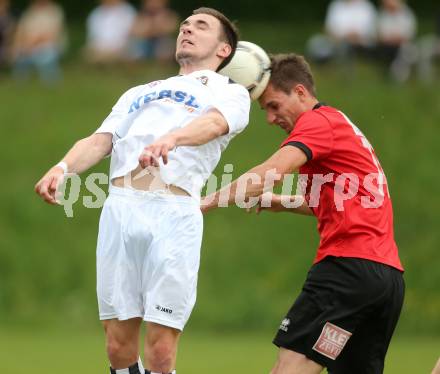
(122, 371)
(141, 367)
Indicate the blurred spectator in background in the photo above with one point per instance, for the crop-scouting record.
(6, 28)
(396, 29)
(39, 40)
(429, 49)
(351, 22)
(350, 28)
(108, 31)
(152, 31)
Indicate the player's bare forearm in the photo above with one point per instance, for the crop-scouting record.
(284, 203)
(303, 209)
(88, 152)
(202, 130)
(250, 184)
(259, 179)
(83, 155)
(199, 131)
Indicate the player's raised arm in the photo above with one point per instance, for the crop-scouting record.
(199, 131)
(285, 161)
(83, 155)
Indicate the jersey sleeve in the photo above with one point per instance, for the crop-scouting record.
(313, 135)
(234, 104)
(118, 113)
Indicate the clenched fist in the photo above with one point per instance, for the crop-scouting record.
(47, 186)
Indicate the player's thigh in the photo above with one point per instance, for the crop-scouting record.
(361, 354)
(334, 301)
(122, 235)
(364, 352)
(290, 362)
(302, 324)
(170, 272)
(366, 349)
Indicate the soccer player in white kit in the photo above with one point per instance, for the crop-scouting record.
(165, 139)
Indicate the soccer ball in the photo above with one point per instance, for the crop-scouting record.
(249, 67)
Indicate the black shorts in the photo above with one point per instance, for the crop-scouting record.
(345, 315)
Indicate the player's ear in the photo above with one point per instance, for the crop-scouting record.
(224, 50)
(299, 90)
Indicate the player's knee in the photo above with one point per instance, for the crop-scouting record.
(282, 366)
(295, 363)
(274, 369)
(118, 350)
(161, 356)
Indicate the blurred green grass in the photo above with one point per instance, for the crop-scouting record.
(72, 352)
(252, 267)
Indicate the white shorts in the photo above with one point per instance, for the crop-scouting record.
(148, 256)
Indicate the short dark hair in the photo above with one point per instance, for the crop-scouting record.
(229, 31)
(288, 70)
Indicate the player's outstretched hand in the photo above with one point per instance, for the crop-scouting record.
(47, 186)
(268, 201)
(151, 154)
(283, 203)
(207, 203)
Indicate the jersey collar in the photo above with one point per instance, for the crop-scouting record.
(318, 105)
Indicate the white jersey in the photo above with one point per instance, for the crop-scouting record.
(145, 113)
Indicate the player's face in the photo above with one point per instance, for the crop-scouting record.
(281, 109)
(199, 38)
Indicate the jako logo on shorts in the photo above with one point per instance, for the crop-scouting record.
(163, 309)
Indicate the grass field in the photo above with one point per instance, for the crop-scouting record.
(252, 267)
(73, 352)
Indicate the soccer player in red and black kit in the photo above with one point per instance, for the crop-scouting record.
(345, 316)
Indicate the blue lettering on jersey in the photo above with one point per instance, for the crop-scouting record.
(135, 105)
(177, 96)
(164, 93)
(149, 97)
(191, 102)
